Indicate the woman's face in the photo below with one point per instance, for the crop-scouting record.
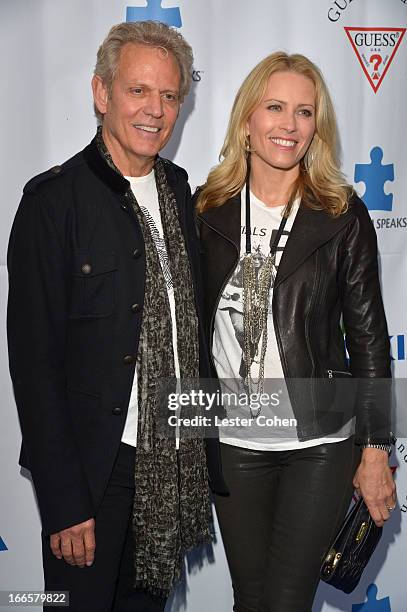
(283, 125)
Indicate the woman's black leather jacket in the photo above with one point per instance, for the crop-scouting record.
(328, 276)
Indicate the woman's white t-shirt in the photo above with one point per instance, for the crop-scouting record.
(228, 343)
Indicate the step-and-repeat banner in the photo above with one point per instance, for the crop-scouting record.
(47, 54)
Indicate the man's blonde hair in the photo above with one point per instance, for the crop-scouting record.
(148, 33)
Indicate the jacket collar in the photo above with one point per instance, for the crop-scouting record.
(311, 229)
(225, 219)
(120, 185)
(103, 171)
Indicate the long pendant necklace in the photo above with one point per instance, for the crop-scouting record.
(256, 291)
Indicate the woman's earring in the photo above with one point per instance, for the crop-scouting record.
(247, 143)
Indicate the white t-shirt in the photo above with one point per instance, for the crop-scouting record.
(228, 343)
(145, 192)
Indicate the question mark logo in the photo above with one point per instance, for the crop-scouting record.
(376, 60)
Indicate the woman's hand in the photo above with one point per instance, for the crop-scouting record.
(374, 481)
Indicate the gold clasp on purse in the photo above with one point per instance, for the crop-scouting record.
(331, 561)
(362, 531)
(330, 556)
(335, 562)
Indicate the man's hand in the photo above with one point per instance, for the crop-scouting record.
(75, 544)
(374, 481)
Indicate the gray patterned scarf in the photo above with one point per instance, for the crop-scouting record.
(171, 507)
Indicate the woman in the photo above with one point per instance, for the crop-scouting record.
(289, 252)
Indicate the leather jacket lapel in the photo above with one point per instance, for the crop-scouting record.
(311, 229)
(225, 219)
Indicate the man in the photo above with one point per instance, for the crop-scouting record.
(102, 306)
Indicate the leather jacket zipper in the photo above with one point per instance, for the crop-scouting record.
(342, 373)
(227, 278)
(282, 357)
(308, 322)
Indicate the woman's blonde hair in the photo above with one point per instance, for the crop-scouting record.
(320, 183)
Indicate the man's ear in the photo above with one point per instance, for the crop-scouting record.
(100, 94)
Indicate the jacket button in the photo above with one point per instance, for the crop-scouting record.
(86, 268)
(136, 253)
(135, 308)
(129, 359)
(117, 411)
(56, 169)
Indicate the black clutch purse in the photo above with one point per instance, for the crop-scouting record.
(351, 549)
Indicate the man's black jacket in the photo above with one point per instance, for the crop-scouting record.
(76, 287)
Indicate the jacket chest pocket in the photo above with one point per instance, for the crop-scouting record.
(93, 283)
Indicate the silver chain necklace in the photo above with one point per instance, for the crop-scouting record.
(256, 290)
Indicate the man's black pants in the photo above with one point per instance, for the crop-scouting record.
(106, 586)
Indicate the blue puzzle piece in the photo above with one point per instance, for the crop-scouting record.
(372, 604)
(2, 545)
(154, 12)
(374, 175)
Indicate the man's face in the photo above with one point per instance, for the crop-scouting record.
(140, 113)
